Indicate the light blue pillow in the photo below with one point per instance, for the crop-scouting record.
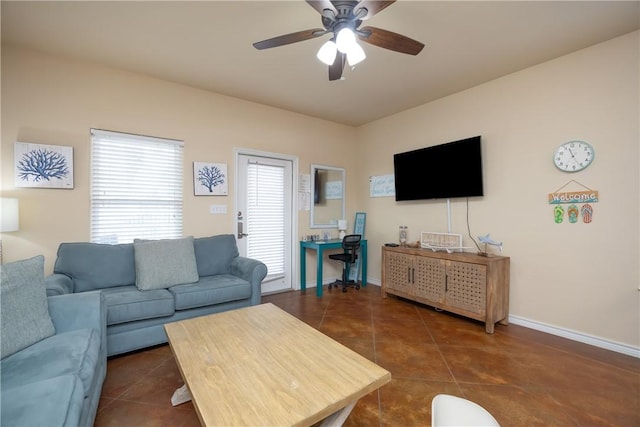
(24, 311)
(215, 254)
(164, 263)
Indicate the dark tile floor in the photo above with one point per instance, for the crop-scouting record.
(522, 376)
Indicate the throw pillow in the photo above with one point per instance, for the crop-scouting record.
(24, 311)
(214, 254)
(164, 263)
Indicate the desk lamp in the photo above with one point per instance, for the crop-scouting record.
(9, 217)
(342, 226)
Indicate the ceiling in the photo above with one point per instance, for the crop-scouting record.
(208, 45)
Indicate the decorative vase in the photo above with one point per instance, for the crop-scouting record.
(403, 235)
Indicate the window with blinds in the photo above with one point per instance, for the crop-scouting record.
(266, 217)
(136, 187)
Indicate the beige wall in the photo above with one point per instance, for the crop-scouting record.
(580, 278)
(48, 100)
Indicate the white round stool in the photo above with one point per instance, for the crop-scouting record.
(447, 410)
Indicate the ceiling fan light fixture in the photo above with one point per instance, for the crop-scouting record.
(342, 19)
(328, 52)
(345, 40)
(355, 55)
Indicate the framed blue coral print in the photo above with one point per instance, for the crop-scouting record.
(43, 166)
(210, 179)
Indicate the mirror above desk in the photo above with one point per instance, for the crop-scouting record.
(327, 196)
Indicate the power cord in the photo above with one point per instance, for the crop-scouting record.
(469, 228)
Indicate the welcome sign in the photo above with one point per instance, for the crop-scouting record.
(590, 196)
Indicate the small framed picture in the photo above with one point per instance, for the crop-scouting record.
(210, 179)
(43, 166)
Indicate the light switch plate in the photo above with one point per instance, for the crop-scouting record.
(218, 209)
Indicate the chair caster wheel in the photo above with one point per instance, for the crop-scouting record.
(358, 287)
(344, 289)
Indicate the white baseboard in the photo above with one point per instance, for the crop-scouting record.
(576, 336)
(565, 333)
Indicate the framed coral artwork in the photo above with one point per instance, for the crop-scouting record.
(210, 179)
(43, 166)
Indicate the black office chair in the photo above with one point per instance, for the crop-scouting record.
(350, 246)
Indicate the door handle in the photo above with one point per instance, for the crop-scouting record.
(240, 233)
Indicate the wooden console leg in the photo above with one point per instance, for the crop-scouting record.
(488, 327)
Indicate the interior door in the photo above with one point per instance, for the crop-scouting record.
(264, 215)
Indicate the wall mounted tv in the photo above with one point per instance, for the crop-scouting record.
(441, 171)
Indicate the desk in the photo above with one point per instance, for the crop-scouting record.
(320, 246)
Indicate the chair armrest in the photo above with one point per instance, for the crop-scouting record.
(253, 271)
(79, 311)
(58, 284)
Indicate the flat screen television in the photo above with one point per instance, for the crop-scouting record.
(441, 171)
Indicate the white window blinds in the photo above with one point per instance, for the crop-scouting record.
(136, 187)
(265, 205)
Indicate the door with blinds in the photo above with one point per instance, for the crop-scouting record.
(264, 212)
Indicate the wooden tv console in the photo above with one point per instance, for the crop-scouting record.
(467, 284)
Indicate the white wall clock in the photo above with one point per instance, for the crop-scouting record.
(573, 156)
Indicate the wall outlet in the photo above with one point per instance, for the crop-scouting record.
(218, 209)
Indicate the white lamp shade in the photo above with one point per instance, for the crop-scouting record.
(355, 55)
(342, 224)
(10, 215)
(345, 40)
(328, 52)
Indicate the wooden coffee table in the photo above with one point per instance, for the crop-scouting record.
(260, 366)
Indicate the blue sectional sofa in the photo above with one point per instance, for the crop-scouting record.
(146, 284)
(54, 356)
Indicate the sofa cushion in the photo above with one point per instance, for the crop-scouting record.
(164, 263)
(70, 353)
(214, 254)
(95, 265)
(24, 312)
(52, 402)
(128, 303)
(210, 290)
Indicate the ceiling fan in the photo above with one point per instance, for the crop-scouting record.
(342, 19)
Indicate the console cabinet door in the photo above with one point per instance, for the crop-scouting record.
(430, 275)
(399, 272)
(466, 286)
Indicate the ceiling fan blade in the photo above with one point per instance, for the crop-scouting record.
(335, 69)
(390, 40)
(321, 5)
(290, 38)
(372, 7)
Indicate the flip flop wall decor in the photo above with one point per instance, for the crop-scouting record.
(558, 213)
(558, 198)
(572, 212)
(587, 213)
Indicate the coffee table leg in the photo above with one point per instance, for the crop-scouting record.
(338, 418)
(180, 396)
